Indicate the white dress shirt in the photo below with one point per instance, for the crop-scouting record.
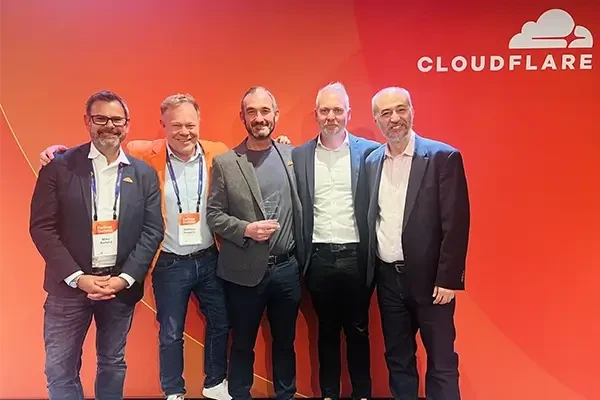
(186, 174)
(106, 178)
(392, 200)
(334, 220)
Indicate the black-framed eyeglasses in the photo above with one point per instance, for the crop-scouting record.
(103, 120)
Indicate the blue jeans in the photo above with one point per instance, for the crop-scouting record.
(66, 322)
(174, 280)
(279, 292)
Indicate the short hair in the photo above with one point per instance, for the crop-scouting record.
(254, 89)
(176, 100)
(333, 87)
(386, 90)
(108, 96)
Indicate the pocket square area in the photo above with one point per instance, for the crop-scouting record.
(128, 179)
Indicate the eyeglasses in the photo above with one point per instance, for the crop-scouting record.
(103, 120)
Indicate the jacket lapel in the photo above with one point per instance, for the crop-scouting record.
(374, 202)
(128, 187)
(251, 179)
(84, 173)
(309, 169)
(354, 162)
(417, 171)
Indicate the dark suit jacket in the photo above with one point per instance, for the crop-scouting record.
(304, 169)
(435, 230)
(61, 222)
(234, 202)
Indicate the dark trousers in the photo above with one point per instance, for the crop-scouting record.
(401, 318)
(174, 281)
(337, 285)
(278, 292)
(66, 323)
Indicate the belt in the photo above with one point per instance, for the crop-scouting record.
(274, 260)
(399, 266)
(192, 256)
(104, 271)
(335, 247)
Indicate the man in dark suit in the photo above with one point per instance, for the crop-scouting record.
(419, 229)
(255, 212)
(331, 184)
(96, 221)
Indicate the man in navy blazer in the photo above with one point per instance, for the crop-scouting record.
(330, 179)
(419, 229)
(96, 221)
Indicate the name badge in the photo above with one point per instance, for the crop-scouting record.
(189, 229)
(104, 234)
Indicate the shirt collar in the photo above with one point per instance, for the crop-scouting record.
(346, 142)
(95, 153)
(409, 151)
(198, 153)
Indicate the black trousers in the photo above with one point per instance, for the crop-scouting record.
(336, 283)
(279, 293)
(401, 318)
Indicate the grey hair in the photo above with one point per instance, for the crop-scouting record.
(387, 90)
(333, 87)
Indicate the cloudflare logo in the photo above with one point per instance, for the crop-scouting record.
(554, 29)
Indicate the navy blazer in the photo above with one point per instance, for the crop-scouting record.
(435, 230)
(61, 221)
(304, 169)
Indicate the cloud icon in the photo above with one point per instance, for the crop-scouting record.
(550, 32)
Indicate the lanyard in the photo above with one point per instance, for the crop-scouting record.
(117, 192)
(176, 187)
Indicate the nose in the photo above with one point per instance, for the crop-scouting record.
(259, 118)
(395, 116)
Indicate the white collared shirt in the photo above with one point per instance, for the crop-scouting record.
(186, 174)
(392, 199)
(105, 176)
(334, 220)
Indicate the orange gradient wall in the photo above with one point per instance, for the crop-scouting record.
(527, 324)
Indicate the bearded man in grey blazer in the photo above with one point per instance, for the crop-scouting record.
(255, 212)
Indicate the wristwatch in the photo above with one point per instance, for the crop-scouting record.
(73, 283)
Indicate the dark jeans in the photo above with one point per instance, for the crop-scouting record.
(279, 293)
(174, 280)
(401, 318)
(337, 285)
(66, 322)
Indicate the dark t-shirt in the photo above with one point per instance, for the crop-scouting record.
(276, 194)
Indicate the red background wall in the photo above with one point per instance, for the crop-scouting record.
(527, 324)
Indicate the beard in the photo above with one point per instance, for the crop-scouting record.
(108, 139)
(260, 130)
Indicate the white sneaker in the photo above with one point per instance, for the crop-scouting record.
(218, 392)
(175, 397)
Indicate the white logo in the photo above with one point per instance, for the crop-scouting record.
(551, 31)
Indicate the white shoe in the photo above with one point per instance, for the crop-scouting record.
(218, 392)
(175, 397)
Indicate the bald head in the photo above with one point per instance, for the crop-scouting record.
(390, 95)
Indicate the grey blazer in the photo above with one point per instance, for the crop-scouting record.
(233, 203)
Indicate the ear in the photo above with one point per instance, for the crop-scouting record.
(276, 115)
(349, 114)
(87, 121)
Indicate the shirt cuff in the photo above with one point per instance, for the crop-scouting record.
(128, 278)
(69, 279)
